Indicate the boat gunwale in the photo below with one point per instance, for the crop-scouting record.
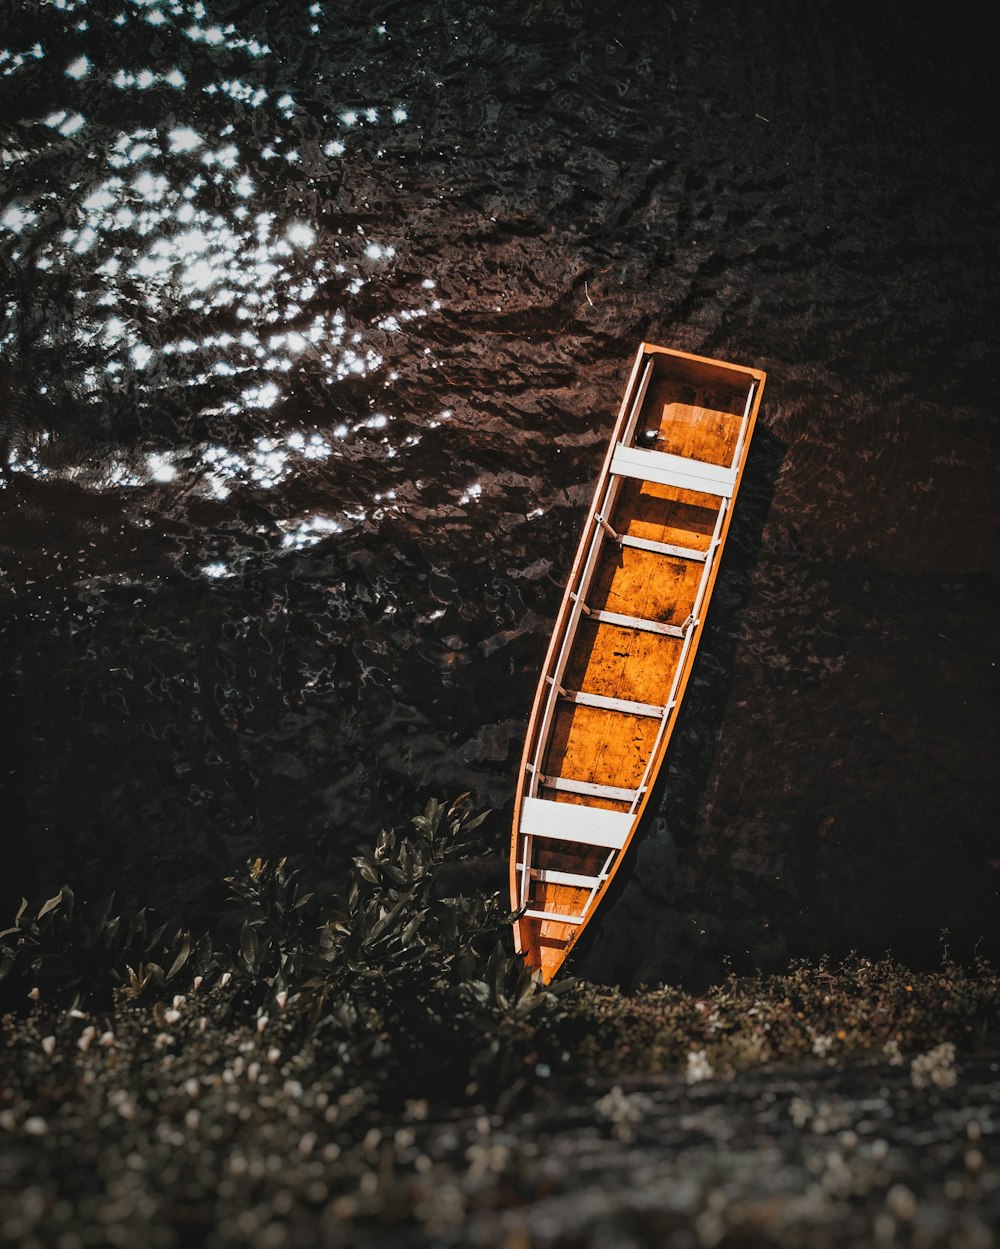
(646, 352)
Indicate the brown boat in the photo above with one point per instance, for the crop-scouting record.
(626, 638)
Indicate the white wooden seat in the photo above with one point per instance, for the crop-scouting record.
(657, 548)
(673, 470)
(664, 548)
(549, 876)
(566, 821)
(637, 622)
(589, 789)
(603, 703)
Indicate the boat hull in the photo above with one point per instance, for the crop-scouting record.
(625, 639)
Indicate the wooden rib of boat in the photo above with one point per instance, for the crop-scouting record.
(625, 639)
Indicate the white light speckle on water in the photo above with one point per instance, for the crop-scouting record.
(310, 530)
(15, 219)
(301, 235)
(147, 222)
(378, 251)
(160, 468)
(65, 124)
(99, 200)
(261, 396)
(184, 139)
(212, 35)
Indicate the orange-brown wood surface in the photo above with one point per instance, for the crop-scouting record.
(700, 410)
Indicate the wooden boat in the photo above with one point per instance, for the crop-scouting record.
(625, 639)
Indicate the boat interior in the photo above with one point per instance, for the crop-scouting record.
(626, 637)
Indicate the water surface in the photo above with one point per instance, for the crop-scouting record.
(315, 322)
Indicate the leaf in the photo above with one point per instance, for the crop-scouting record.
(249, 945)
(182, 957)
(384, 922)
(368, 871)
(459, 803)
(497, 969)
(479, 989)
(99, 920)
(474, 823)
(50, 905)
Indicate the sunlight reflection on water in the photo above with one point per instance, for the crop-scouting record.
(191, 283)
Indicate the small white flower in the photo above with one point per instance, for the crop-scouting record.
(698, 1067)
(936, 1067)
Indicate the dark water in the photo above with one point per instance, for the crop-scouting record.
(316, 318)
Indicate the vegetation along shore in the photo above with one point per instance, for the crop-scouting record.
(376, 1067)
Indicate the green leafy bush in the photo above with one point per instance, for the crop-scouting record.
(389, 978)
(78, 952)
(383, 977)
